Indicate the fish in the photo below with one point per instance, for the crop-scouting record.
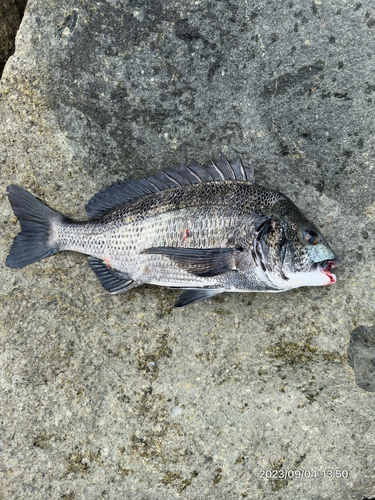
(202, 229)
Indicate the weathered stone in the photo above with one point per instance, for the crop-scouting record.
(122, 396)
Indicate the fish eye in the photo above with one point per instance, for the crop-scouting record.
(311, 237)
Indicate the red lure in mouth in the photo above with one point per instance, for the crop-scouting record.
(327, 265)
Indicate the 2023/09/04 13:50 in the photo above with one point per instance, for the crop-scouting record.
(300, 474)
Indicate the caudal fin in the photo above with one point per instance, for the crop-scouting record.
(35, 241)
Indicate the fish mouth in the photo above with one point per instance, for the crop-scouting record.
(325, 267)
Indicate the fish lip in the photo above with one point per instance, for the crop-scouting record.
(325, 267)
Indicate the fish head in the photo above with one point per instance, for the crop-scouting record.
(294, 251)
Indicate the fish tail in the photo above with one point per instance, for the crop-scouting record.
(36, 239)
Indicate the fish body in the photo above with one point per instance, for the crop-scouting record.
(205, 230)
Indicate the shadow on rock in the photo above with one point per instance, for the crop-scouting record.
(361, 352)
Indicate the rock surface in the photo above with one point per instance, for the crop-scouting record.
(11, 12)
(122, 396)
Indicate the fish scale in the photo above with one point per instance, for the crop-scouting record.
(122, 242)
(202, 229)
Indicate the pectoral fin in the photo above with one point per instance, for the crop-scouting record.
(203, 262)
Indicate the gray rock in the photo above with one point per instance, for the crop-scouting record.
(122, 396)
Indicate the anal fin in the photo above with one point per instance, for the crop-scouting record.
(187, 297)
(112, 280)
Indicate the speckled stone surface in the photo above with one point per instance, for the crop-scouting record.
(122, 396)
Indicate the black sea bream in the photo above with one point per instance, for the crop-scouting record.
(205, 230)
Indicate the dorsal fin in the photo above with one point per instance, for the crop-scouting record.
(239, 170)
(123, 192)
(225, 168)
(250, 174)
(201, 171)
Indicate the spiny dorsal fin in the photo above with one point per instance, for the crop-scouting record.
(123, 192)
(225, 168)
(239, 170)
(250, 174)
